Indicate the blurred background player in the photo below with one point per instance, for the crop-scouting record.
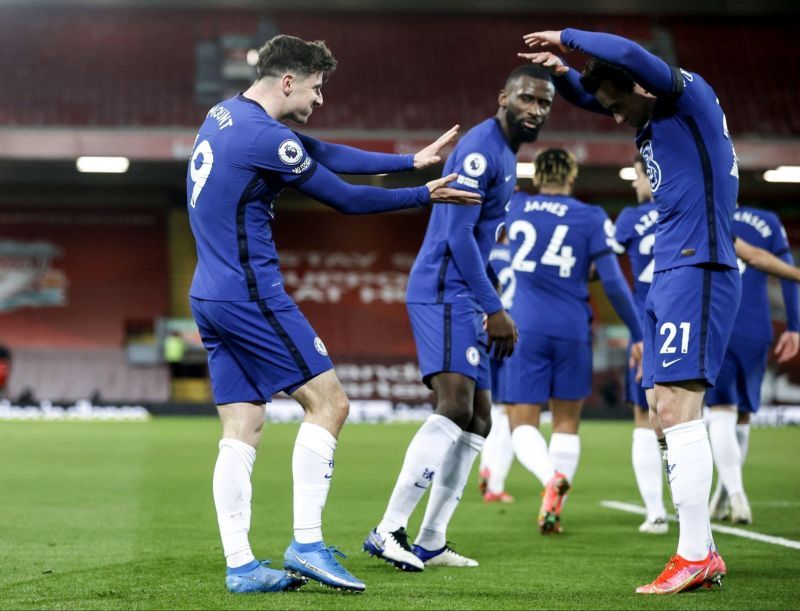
(737, 393)
(258, 342)
(692, 167)
(497, 453)
(554, 240)
(449, 291)
(635, 233)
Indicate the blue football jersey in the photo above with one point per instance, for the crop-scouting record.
(241, 161)
(500, 262)
(763, 229)
(693, 172)
(485, 164)
(553, 240)
(635, 231)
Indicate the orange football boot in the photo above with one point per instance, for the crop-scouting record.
(552, 498)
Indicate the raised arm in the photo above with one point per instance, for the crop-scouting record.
(566, 80)
(649, 71)
(344, 159)
(324, 186)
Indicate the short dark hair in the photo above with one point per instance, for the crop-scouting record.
(281, 54)
(531, 70)
(597, 71)
(554, 167)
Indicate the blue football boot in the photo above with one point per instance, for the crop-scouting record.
(256, 577)
(318, 562)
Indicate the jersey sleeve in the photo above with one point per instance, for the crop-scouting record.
(279, 151)
(475, 167)
(344, 159)
(650, 71)
(780, 241)
(602, 240)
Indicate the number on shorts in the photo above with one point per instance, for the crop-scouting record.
(200, 175)
(670, 330)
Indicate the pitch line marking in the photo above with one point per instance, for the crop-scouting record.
(728, 530)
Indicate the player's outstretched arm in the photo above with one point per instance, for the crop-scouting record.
(649, 71)
(326, 187)
(765, 261)
(344, 159)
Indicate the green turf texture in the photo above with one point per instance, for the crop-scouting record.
(120, 516)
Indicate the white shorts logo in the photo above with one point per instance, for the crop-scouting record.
(474, 164)
(473, 356)
(320, 346)
(290, 152)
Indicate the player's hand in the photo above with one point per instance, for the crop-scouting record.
(502, 333)
(635, 361)
(430, 154)
(547, 60)
(788, 346)
(440, 192)
(546, 40)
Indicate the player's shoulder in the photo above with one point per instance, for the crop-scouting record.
(485, 138)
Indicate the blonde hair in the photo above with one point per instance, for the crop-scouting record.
(555, 167)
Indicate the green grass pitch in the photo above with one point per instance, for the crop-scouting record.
(120, 516)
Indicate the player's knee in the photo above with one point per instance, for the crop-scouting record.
(339, 406)
(457, 412)
(481, 425)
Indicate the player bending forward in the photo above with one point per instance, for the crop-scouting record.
(554, 240)
(682, 135)
(449, 291)
(258, 342)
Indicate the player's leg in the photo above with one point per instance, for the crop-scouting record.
(648, 470)
(530, 446)
(497, 453)
(242, 422)
(424, 457)
(448, 486)
(450, 354)
(692, 309)
(646, 457)
(496, 458)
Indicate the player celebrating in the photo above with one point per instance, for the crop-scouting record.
(738, 387)
(554, 240)
(449, 291)
(258, 342)
(691, 164)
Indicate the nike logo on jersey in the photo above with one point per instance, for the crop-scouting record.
(509, 177)
(666, 364)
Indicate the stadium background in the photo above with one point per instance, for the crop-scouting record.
(95, 268)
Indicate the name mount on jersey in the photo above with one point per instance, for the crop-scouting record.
(222, 116)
